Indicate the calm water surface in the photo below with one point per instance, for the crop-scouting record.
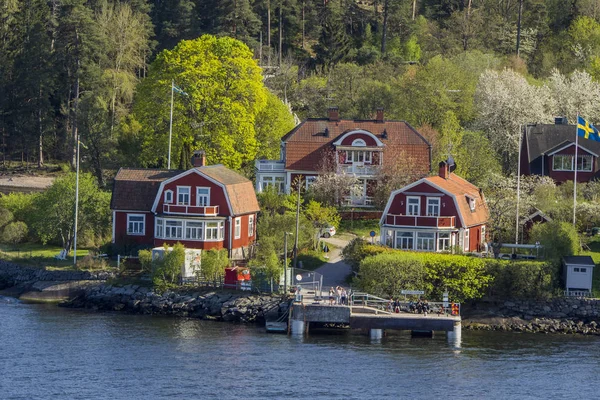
(48, 352)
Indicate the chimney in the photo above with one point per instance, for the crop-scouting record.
(333, 114)
(444, 173)
(199, 158)
(379, 116)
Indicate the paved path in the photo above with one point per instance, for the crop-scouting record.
(336, 270)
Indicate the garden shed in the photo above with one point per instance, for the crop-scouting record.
(578, 272)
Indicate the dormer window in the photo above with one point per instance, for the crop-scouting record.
(359, 143)
(183, 195)
(168, 196)
(202, 196)
(472, 204)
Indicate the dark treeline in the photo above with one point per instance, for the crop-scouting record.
(71, 67)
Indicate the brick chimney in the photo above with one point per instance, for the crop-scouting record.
(333, 114)
(379, 115)
(199, 158)
(444, 173)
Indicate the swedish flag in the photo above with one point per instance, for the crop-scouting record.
(587, 130)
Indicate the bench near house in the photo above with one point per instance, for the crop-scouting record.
(206, 207)
(358, 147)
(436, 213)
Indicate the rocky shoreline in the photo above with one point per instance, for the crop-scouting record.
(199, 303)
(559, 315)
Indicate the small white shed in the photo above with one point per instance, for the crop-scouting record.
(578, 273)
(192, 264)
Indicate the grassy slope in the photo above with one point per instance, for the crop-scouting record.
(38, 255)
(360, 228)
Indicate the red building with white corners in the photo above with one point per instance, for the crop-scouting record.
(206, 207)
(437, 213)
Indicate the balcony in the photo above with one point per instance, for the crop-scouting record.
(358, 169)
(420, 221)
(181, 209)
(269, 165)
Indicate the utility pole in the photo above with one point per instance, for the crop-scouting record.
(170, 125)
(76, 205)
(285, 285)
(519, 27)
(297, 225)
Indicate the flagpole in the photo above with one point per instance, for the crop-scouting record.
(170, 125)
(575, 179)
(518, 184)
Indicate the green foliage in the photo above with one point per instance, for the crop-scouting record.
(265, 262)
(272, 122)
(167, 269)
(14, 232)
(559, 239)
(6, 217)
(464, 277)
(273, 202)
(213, 264)
(522, 279)
(20, 205)
(358, 249)
(321, 217)
(387, 274)
(145, 258)
(224, 95)
(54, 210)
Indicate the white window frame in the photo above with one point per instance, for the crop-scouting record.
(425, 238)
(174, 231)
(237, 228)
(466, 244)
(271, 180)
(444, 241)
(403, 237)
(202, 196)
(410, 206)
(180, 190)
(214, 233)
(168, 196)
(250, 225)
(430, 201)
(359, 143)
(472, 203)
(194, 232)
(159, 228)
(589, 166)
(141, 225)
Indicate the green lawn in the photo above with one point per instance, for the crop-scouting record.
(38, 255)
(594, 252)
(360, 228)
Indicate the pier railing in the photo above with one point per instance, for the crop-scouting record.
(369, 302)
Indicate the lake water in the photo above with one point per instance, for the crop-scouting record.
(49, 352)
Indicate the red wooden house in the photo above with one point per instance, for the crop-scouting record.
(357, 147)
(549, 150)
(435, 213)
(206, 207)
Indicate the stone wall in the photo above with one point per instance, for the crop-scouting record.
(203, 304)
(560, 315)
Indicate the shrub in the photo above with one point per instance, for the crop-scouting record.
(558, 239)
(167, 269)
(358, 249)
(92, 263)
(14, 232)
(145, 258)
(522, 279)
(389, 272)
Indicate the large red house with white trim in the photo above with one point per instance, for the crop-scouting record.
(436, 213)
(206, 207)
(345, 146)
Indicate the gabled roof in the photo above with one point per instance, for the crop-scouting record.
(460, 190)
(311, 137)
(137, 188)
(134, 189)
(579, 260)
(545, 138)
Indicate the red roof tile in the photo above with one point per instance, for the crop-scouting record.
(307, 144)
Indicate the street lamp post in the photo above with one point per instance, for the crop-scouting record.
(171, 124)
(285, 235)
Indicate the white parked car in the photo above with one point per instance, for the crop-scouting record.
(328, 231)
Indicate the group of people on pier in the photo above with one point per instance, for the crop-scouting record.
(339, 296)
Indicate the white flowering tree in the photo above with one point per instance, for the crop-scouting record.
(505, 101)
(575, 93)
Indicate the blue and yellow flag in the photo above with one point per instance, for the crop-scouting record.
(587, 130)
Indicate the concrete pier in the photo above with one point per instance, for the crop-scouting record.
(298, 327)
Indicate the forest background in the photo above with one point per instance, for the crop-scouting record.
(468, 74)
